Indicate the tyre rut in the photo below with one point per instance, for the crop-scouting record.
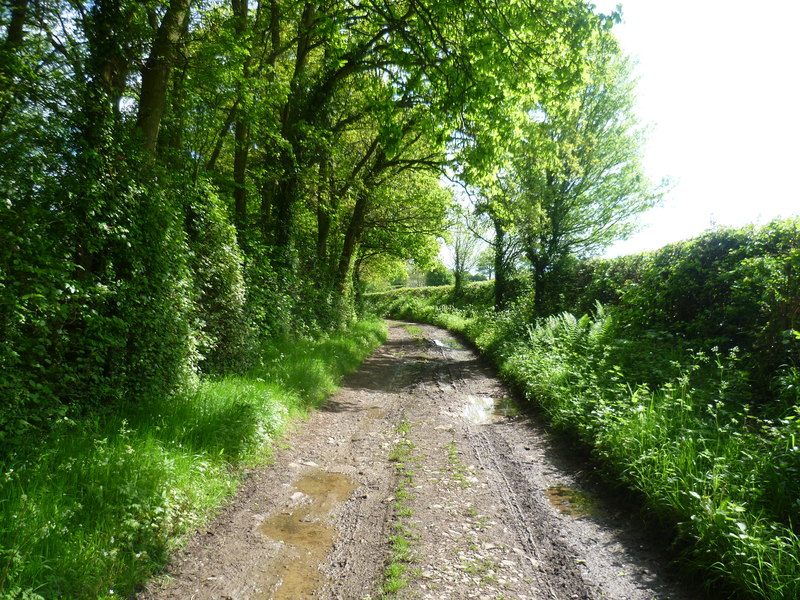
(480, 519)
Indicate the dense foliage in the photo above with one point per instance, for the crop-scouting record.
(729, 289)
(183, 184)
(684, 382)
(180, 179)
(98, 504)
(573, 181)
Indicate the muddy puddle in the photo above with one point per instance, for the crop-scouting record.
(307, 534)
(375, 412)
(571, 502)
(449, 344)
(485, 410)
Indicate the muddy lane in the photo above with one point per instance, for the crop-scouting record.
(493, 509)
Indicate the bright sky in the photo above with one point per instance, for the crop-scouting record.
(720, 83)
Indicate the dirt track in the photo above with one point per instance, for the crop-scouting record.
(496, 510)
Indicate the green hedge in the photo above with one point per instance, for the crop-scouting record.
(728, 288)
(685, 385)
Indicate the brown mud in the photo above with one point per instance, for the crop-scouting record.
(497, 509)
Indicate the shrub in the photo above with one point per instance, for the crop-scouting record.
(708, 436)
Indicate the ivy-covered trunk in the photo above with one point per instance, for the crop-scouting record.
(500, 266)
(155, 74)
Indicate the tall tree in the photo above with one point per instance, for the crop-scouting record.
(156, 71)
(576, 181)
(464, 245)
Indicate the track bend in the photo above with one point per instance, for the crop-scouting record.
(497, 510)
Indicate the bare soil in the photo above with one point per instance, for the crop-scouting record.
(498, 509)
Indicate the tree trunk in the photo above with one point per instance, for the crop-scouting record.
(175, 118)
(226, 127)
(240, 153)
(265, 216)
(268, 184)
(275, 32)
(283, 211)
(241, 132)
(9, 64)
(324, 219)
(105, 44)
(15, 32)
(458, 283)
(500, 266)
(156, 73)
(283, 205)
(107, 67)
(351, 239)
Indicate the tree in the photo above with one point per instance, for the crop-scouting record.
(485, 262)
(178, 175)
(406, 216)
(464, 245)
(438, 275)
(577, 179)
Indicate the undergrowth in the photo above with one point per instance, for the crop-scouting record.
(96, 507)
(678, 425)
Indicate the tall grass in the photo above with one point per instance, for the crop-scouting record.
(727, 479)
(671, 424)
(97, 506)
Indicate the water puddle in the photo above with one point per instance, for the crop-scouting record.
(505, 407)
(481, 410)
(329, 488)
(374, 412)
(571, 502)
(450, 344)
(478, 410)
(307, 535)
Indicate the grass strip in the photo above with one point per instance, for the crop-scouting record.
(97, 507)
(402, 540)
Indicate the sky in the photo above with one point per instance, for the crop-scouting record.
(719, 83)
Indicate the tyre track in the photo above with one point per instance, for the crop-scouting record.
(483, 525)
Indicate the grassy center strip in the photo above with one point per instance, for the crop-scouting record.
(402, 539)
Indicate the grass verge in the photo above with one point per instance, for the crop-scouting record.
(725, 479)
(97, 507)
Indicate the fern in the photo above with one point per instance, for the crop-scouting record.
(601, 328)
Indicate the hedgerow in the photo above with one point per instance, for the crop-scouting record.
(684, 382)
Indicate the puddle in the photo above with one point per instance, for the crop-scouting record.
(307, 535)
(451, 344)
(571, 502)
(325, 487)
(505, 407)
(485, 410)
(293, 529)
(478, 410)
(373, 412)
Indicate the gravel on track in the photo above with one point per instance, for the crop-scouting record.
(497, 508)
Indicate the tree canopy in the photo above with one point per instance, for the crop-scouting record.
(181, 178)
(574, 181)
